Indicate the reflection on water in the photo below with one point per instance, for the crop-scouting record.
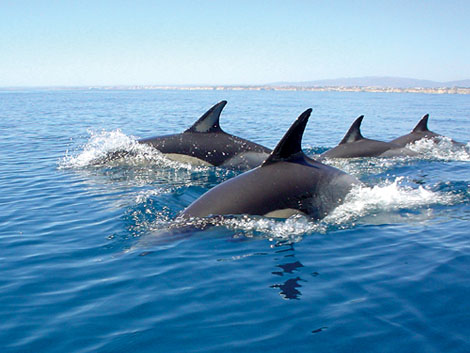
(71, 237)
(288, 268)
(289, 288)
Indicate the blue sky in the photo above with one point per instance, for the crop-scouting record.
(100, 42)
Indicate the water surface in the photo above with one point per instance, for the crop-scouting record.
(88, 264)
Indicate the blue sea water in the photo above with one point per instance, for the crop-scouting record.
(87, 264)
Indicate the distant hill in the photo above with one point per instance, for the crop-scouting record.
(374, 81)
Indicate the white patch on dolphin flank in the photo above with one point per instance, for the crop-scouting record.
(182, 158)
(284, 213)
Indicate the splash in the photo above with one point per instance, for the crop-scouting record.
(427, 149)
(385, 200)
(144, 195)
(444, 149)
(387, 203)
(366, 166)
(291, 229)
(113, 148)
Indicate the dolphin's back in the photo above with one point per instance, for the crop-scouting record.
(216, 148)
(360, 148)
(367, 148)
(206, 143)
(355, 145)
(413, 137)
(421, 131)
(310, 189)
(287, 181)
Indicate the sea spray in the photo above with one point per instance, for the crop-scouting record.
(387, 197)
(116, 148)
(391, 201)
(444, 150)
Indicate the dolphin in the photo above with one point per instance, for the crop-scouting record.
(287, 183)
(205, 143)
(419, 132)
(355, 145)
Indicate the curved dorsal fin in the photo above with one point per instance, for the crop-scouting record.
(354, 132)
(422, 126)
(209, 122)
(291, 144)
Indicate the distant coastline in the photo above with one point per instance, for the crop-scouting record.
(440, 90)
(383, 84)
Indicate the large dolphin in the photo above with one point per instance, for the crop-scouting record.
(355, 145)
(419, 132)
(205, 143)
(287, 183)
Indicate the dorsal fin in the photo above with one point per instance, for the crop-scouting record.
(209, 122)
(422, 126)
(291, 144)
(354, 132)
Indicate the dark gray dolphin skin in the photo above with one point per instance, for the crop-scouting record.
(287, 183)
(419, 132)
(205, 143)
(355, 145)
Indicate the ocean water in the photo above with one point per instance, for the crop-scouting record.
(88, 264)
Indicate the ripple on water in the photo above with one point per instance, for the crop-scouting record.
(388, 269)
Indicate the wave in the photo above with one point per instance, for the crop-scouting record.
(390, 202)
(381, 201)
(360, 167)
(113, 148)
(427, 149)
(443, 150)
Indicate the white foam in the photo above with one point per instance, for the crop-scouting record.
(367, 166)
(103, 143)
(144, 195)
(381, 202)
(443, 149)
(292, 228)
(98, 146)
(388, 196)
(427, 149)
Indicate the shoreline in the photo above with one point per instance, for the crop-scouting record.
(440, 90)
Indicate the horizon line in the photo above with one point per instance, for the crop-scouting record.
(425, 90)
(285, 83)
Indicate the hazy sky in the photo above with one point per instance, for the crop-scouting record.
(102, 42)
